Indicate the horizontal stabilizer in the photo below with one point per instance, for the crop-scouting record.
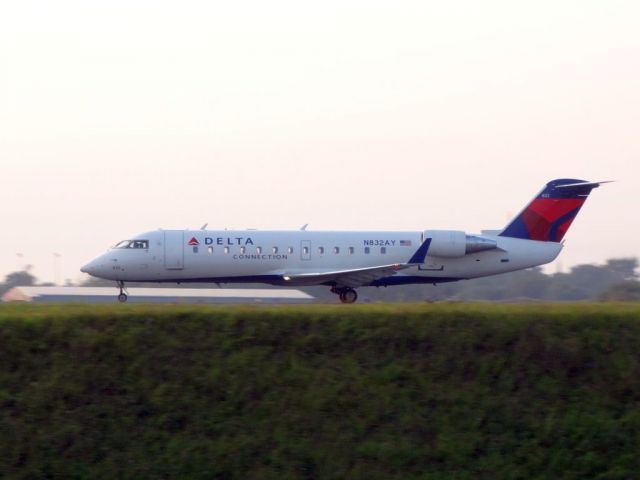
(584, 184)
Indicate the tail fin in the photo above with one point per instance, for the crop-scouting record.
(549, 215)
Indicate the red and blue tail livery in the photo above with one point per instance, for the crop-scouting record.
(550, 214)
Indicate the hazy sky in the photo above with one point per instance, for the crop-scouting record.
(118, 117)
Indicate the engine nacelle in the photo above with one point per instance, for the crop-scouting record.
(455, 243)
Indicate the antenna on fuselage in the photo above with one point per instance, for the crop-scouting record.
(304, 227)
(204, 227)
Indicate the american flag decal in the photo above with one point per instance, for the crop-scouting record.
(405, 243)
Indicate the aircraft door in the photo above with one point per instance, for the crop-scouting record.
(305, 250)
(430, 266)
(174, 250)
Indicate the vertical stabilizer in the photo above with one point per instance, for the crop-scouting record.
(550, 214)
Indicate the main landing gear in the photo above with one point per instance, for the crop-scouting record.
(122, 298)
(346, 294)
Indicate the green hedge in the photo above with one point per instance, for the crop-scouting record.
(320, 392)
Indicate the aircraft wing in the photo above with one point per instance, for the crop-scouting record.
(347, 278)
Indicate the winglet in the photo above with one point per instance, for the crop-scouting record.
(418, 257)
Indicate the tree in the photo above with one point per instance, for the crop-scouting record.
(624, 267)
(622, 292)
(17, 279)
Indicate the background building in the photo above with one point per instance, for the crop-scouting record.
(35, 294)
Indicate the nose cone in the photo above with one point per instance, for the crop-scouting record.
(88, 268)
(93, 268)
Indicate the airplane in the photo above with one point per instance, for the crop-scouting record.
(346, 260)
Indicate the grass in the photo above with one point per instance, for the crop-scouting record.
(443, 391)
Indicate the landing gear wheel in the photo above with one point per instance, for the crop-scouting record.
(349, 296)
(122, 298)
(346, 294)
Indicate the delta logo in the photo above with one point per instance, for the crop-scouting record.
(194, 242)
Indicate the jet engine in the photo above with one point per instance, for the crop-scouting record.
(455, 243)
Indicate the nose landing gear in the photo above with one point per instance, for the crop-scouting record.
(346, 294)
(122, 298)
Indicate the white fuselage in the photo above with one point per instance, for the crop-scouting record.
(273, 256)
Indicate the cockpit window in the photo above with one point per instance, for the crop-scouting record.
(139, 244)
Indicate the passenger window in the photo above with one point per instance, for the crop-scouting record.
(226, 249)
(258, 250)
(383, 250)
(367, 250)
(243, 249)
(305, 250)
(210, 250)
(321, 250)
(336, 250)
(275, 250)
(351, 250)
(290, 250)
